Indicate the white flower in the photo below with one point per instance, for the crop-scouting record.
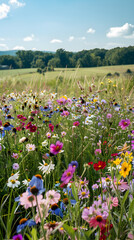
(13, 180)
(30, 147)
(22, 140)
(46, 168)
(45, 143)
(55, 136)
(25, 182)
(13, 183)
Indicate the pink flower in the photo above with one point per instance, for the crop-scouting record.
(29, 200)
(124, 123)
(42, 210)
(97, 151)
(54, 149)
(15, 155)
(48, 135)
(77, 123)
(109, 115)
(65, 113)
(68, 174)
(115, 202)
(52, 196)
(97, 221)
(63, 133)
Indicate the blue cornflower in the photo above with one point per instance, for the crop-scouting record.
(36, 185)
(23, 223)
(56, 210)
(7, 126)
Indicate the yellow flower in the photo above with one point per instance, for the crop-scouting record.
(95, 100)
(125, 169)
(117, 161)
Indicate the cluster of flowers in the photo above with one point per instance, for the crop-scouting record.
(87, 195)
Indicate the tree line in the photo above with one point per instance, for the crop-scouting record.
(62, 58)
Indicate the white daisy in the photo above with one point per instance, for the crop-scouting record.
(46, 168)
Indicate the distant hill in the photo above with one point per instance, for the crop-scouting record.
(13, 52)
(10, 52)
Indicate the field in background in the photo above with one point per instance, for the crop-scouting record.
(63, 80)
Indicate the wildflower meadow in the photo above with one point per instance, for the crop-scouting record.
(67, 163)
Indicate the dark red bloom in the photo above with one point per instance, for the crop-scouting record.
(99, 165)
(114, 154)
(33, 128)
(51, 127)
(90, 163)
(28, 125)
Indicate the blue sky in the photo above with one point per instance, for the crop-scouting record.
(70, 24)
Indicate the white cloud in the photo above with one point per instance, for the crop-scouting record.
(29, 38)
(55, 41)
(83, 38)
(91, 30)
(2, 39)
(3, 46)
(34, 49)
(16, 3)
(18, 48)
(71, 38)
(126, 31)
(4, 10)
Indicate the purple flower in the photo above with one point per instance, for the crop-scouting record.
(68, 174)
(83, 193)
(15, 166)
(124, 123)
(54, 149)
(73, 164)
(0, 148)
(17, 237)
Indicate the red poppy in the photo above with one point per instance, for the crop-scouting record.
(105, 142)
(99, 165)
(114, 154)
(90, 163)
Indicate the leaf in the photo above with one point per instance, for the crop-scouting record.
(34, 234)
(74, 191)
(131, 209)
(70, 231)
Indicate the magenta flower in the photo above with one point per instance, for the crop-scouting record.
(62, 101)
(97, 151)
(65, 113)
(55, 149)
(124, 123)
(51, 127)
(77, 123)
(17, 237)
(68, 174)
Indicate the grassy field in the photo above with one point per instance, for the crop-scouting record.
(61, 79)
